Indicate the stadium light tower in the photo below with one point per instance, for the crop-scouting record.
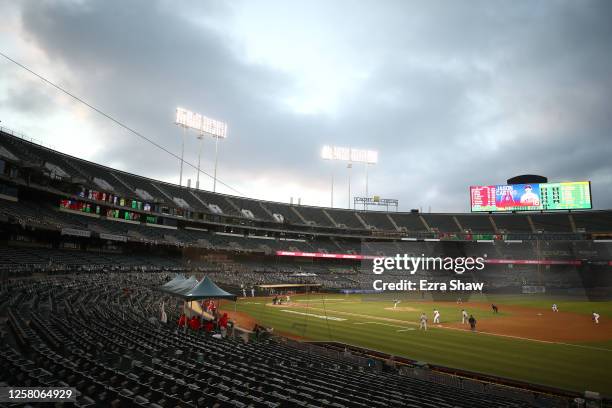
(349, 166)
(368, 157)
(350, 155)
(201, 139)
(182, 155)
(217, 129)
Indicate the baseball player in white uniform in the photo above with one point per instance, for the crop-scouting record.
(596, 317)
(436, 319)
(423, 324)
(555, 308)
(464, 317)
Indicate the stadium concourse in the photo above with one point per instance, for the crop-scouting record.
(85, 249)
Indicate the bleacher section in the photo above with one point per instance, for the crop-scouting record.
(411, 222)
(92, 171)
(345, 217)
(286, 211)
(27, 152)
(183, 194)
(255, 207)
(49, 258)
(512, 222)
(379, 220)
(551, 222)
(594, 221)
(143, 184)
(475, 223)
(441, 222)
(218, 200)
(167, 199)
(316, 215)
(327, 246)
(89, 333)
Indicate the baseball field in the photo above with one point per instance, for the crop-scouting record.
(525, 341)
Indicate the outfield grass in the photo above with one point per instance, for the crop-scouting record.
(566, 304)
(574, 304)
(576, 367)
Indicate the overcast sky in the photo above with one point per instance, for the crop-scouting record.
(450, 93)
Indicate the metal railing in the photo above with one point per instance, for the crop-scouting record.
(25, 137)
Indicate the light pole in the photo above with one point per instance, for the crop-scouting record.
(216, 161)
(332, 190)
(182, 155)
(366, 179)
(201, 139)
(350, 155)
(349, 166)
(217, 129)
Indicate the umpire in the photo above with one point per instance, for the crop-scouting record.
(472, 322)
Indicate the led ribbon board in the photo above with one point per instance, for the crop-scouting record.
(486, 261)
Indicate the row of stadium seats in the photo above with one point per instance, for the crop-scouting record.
(249, 271)
(94, 334)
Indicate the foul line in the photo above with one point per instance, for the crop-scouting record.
(322, 300)
(527, 338)
(383, 324)
(338, 319)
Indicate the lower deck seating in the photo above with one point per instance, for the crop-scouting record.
(92, 332)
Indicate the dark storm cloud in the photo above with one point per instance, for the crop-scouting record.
(138, 63)
(455, 95)
(139, 73)
(548, 69)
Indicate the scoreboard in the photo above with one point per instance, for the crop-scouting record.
(575, 195)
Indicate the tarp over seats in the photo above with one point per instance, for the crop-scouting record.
(206, 289)
(180, 284)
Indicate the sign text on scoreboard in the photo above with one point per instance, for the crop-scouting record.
(574, 195)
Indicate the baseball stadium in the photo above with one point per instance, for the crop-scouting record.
(84, 268)
(279, 204)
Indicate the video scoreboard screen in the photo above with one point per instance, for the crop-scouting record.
(574, 195)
